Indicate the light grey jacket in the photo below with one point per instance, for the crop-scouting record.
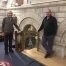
(7, 25)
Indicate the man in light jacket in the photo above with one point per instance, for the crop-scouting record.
(7, 31)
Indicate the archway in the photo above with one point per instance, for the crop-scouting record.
(30, 22)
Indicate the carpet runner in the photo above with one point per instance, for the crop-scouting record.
(16, 59)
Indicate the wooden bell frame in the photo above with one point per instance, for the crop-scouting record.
(22, 43)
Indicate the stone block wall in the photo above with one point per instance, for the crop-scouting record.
(40, 1)
(34, 14)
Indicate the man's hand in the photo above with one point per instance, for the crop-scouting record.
(19, 31)
(3, 34)
(36, 31)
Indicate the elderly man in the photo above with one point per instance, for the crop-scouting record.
(7, 31)
(49, 25)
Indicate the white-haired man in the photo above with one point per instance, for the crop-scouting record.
(7, 31)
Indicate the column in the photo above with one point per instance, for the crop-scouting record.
(25, 2)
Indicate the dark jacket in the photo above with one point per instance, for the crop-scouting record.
(7, 25)
(49, 26)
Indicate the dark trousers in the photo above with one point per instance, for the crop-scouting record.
(8, 41)
(47, 43)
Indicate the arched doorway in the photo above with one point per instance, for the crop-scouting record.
(25, 26)
(30, 36)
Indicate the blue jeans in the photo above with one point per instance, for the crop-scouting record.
(47, 43)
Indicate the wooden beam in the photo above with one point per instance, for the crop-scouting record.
(38, 41)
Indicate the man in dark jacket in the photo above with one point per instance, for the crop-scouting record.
(7, 31)
(49, 25)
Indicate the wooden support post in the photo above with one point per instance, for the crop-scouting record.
(16, 47)
(38, 42)
(22, 40)
(19, 47)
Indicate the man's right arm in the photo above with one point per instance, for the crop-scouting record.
(41, 27)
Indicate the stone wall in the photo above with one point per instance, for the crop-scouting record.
(41, 1)
(34, 14)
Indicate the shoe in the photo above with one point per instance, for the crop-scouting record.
(47, 55)
(13, 46)
(51, 54)
(11, 51)
(6, 53)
